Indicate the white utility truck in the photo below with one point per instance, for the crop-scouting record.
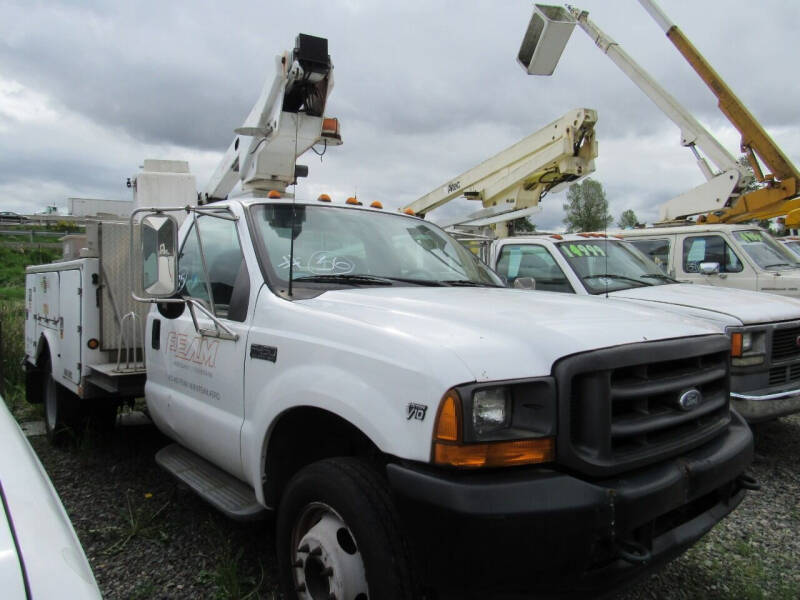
(765, 355)
(412, 422)
(728, 256)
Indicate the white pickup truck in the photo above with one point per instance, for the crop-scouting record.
(405, 414)
(764, 328)
(729, 256)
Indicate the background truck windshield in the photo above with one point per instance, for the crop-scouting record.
(335, 245)
(764, 251)
(605, 265)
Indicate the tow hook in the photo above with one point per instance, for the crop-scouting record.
(748, 482)
(634, 552)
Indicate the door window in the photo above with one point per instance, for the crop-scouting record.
(533, 261)
(655, 250)
(227, 276)
(709, 248)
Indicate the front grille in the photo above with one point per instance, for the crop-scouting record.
(784, 374)
(623, 407)
(784, 343)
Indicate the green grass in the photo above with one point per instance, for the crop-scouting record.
(12, 326)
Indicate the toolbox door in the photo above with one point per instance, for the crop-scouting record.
(71, 336)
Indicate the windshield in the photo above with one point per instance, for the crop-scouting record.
(794, 246)
(606, 265)
(765, 251)
(336, 246)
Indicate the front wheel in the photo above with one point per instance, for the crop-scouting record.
(339, 536)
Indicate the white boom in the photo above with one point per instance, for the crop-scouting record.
(511, 183)
(286, 121)
(542, 45)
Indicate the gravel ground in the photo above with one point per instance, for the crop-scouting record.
(147, 537)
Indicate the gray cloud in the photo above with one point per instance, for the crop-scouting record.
(424, 90)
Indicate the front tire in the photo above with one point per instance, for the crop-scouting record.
(339, 535)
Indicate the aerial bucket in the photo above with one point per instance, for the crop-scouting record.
(547, 35)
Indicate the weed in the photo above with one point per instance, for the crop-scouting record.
(138, 522)
(231, 582)
(143, 591)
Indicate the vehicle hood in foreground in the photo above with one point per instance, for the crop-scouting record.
(745, 306)
(53, 559)
(501, 333)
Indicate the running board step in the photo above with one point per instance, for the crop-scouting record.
(222, 491)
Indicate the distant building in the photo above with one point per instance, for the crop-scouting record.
(91, 207)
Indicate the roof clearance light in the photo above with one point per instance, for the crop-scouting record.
(274, 194)
(324, 198)
(376, 204)
(585, 235)
(619, 237)
(555, 236)
(408, 211)
(353, 200)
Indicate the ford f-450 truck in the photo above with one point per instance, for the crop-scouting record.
(364, 377)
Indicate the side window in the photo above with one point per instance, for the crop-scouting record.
(533, 261)
(655, 250)
(228, 278)
(709, 248)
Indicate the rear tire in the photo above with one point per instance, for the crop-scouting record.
(339, 535)
(62, 418)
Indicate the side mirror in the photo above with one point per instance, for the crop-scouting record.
(709, 268)
(525, 283)
(159, 241)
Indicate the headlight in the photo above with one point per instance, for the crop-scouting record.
(491, 410)
(747, 348)
(491, 425)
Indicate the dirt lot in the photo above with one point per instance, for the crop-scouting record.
(146, 537)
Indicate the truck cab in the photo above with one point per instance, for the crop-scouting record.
(762, 383)
(309, 341)
(733, 256)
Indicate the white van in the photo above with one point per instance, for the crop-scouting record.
(735, 256)
(764, 329)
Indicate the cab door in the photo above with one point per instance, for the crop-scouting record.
(695, 250)
(196, 381)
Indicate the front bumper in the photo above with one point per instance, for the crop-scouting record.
(541, 529)
(762, 405)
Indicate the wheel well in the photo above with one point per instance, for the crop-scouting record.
(33, 374)
(305, 435)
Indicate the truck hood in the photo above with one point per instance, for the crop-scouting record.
(746, 307)
(501, 333)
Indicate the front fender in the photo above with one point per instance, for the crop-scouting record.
(378, 408)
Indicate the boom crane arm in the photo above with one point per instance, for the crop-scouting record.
(286, 120)
(784, 176)
(510, 184)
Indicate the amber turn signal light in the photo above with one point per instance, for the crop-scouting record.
(274, 194)
(495, 454)
(736, 344)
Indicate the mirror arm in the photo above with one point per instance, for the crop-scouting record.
(196, 228)
(221, 330)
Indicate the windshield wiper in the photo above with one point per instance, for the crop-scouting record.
(660, 276)
(781, 265)
(468, 283)
(356, 279)
(615, 276)
(345, 278)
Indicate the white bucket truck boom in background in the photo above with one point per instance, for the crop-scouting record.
(337, 364)
(511, 184)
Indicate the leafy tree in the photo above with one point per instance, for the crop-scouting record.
(627, 220)
(587, 207)
(521, 225)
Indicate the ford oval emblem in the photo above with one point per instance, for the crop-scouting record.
(690, 399)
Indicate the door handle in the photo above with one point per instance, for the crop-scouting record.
(155, 339)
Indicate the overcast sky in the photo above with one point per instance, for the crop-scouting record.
(423, 89)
